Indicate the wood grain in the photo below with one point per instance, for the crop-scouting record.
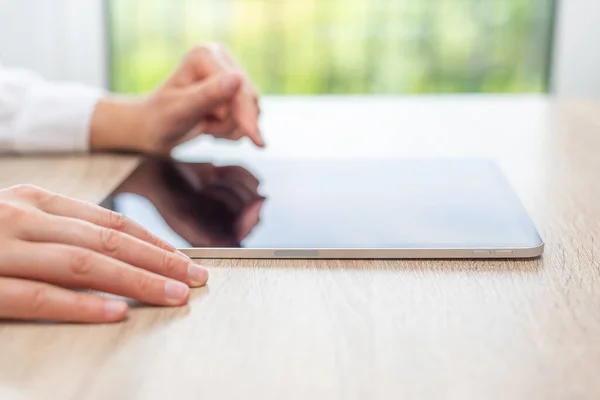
(357, 329)
(88, 178)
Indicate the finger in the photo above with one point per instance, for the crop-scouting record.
(231, 60)
(200, 63)
(117, 245)
(225, 57)
(202, 98)
(28, 300)
(237, 134)
(222, 112)
(193, 133)
(214, 59)
(72, 266)
(210, 60)
(246, 116)
(68, 207)
(219, 129)
(246, 105)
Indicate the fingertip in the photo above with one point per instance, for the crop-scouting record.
(115, 310)
(197, 276)
(258, 140)
(176, 293)
(253, 134)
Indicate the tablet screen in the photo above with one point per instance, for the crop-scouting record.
(373, 204)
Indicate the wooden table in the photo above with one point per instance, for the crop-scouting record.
(357, 329)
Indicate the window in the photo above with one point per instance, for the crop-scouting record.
(342, 46)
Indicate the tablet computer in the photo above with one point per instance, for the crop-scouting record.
(372, 208)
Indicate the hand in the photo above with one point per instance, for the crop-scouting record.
(208, 93)
(49, 243)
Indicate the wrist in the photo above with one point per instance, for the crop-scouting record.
(117, 124)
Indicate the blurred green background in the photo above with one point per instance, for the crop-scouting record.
(342, 46)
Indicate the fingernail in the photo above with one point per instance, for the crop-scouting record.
(115, 309)
(176, 292)
(230, 82)
(197, 275)
(181, 254)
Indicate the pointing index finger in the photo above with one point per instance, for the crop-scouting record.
(245, 107)
(246, 115)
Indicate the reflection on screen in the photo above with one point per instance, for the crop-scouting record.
(326, 204)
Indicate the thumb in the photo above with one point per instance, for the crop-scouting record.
(204, 96)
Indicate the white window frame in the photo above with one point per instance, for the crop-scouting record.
(576, 61)
(60, 39)
(85, 34)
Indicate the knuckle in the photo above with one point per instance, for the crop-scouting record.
(170, 264)
(11, 212)
(111, 240)
(156, 242)
(38, 299)
(29, 192)
(143, 283)
(79, 306)
(81, 262)
(117, 221)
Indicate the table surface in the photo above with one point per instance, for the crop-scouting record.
(284, 329)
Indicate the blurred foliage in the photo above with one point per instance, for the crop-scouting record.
(342, 46)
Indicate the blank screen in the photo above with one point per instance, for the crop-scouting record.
(371, 204)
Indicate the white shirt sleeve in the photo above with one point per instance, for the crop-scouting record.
(38, 116)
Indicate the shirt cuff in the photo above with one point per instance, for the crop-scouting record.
(56, 118)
